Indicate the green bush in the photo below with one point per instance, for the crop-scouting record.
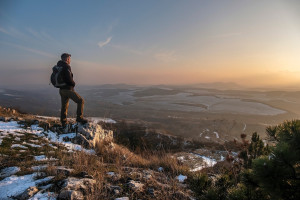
(279, 172)
(238, 192)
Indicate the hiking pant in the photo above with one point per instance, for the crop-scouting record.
(65, 95)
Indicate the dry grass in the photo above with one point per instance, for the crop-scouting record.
(109, 157)
(121, 156)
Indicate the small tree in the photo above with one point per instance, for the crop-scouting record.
(253, 150)
(279, 172)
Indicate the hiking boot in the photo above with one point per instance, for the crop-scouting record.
(64, 124)
(64, 128)
(82, 121)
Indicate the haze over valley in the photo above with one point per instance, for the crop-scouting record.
(189, 111)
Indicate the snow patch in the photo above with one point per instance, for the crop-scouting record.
(222, 158)
(15, 185)
(11, 127)
(217, 135)
(100, 119)
(122, 198)
(245, 126)
(34, 145)
(9, 171)
(18, 145)
(111, 173)
(43, 158)
(181, 178)
(181, 158)
(208, 162)
(46, 117)
(44, 196)
(39, 167)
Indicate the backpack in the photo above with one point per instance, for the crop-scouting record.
(56, 77)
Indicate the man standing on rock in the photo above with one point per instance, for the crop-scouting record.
(67, 91)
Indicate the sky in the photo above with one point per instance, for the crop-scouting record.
(254, 43)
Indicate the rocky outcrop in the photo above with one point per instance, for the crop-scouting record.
(75, 188)
(59, 168)
(135, 185)
(29, 192)
(94, 133)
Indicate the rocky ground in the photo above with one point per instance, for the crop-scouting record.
(39, 160)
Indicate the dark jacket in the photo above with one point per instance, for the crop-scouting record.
(67, 75)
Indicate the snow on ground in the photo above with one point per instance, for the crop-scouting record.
(122, 198)
(43, 158)
(35, 128)
(32, 145)
(15, 185)
(207, 162)
(40, 158)
(222, 158)
(160, 169)
(93, 119)
(18, 145)
(181, 178)
(181, 158)
(53, 137)
(44, 196)
(51, 145)
(110, 173)
(217, 135)
(39, 167)
(245, 126)
(100, 119)
(10, 127)
(47, 117)
(9, 171)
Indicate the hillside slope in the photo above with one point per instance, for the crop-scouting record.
(41, 161)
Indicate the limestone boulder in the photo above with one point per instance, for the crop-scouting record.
(94, 133)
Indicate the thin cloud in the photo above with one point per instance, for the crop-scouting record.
(165, 56)
(43, 36)
(2, 30)
(34, 33)
(102, 44)
(112, 26)
(12, 32)
(39, 52)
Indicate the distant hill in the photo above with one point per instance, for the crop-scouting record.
(219, 85)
